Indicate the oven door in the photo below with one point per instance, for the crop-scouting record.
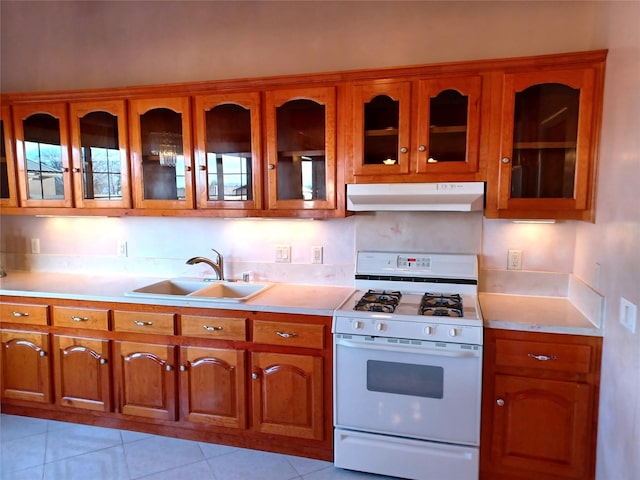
(422, 390)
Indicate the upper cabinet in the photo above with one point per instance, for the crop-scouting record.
(228, 146)
(42, 154)
(8, 191)
(100, 159)
(543, 158)
(417, 129)
(301, 148)
(161, 156)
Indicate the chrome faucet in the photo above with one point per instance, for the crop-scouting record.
(217, 265)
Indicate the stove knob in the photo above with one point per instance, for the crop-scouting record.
(380, 326)
(453, 332)
(357, 325)
(429, 329)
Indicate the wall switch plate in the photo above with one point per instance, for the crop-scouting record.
(283, 253)
(122, 248)
(35, 245)
(514, 260)
(628, 314)
(316, 255)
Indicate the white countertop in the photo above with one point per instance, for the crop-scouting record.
(279, 298)
(535, 313)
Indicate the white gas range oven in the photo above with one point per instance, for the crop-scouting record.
(408, 367)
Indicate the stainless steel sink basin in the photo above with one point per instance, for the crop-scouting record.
(200, 289)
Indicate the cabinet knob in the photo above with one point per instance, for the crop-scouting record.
(103, 361)
(500, 402)
(42, 353)
(187, 168)
(169, 368)
(271, 166)
(76, 170)
(183, 368)
(422, 148)
(203, 168)
(505, 160)
(404, 150)
(254, 376)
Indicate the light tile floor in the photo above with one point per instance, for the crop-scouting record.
(36, 449)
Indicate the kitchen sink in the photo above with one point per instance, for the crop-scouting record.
(200, 289)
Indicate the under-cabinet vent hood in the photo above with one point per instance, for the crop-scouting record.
(416, 197)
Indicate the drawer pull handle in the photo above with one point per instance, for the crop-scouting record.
(20, 314)
(210, 328)
(80, 319)
(142, 324)
(542, 358)
(286, 335)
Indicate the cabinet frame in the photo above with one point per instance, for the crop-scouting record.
(12, 189)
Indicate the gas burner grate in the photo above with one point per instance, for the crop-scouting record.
(441, 305)
(379, 301)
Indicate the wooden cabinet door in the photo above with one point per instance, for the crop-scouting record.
(161, 153)
(448, 126)
(287, 394)
(8, 190)
(42, 154)
(301, 148)
(381, 122)
(212, 386)
(228, 151)
(25, 369)
(545, 161)
(100, 154)
(145, 380)
(82, 373)
(541, 426)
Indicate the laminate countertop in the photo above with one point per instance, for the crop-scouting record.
(535, 314)
(278, 298)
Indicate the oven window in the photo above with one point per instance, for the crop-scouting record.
(405, 379)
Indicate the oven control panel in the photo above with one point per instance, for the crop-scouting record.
(420, 263)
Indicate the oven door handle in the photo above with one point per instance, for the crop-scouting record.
(409, 348)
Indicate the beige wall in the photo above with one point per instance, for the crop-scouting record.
(68, 45)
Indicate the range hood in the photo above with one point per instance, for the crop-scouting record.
(416, 197)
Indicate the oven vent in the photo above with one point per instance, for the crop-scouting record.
(416, 197)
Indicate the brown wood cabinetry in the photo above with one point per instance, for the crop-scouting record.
(540, 404)
(545, 139)
(8, 188)
(415, 130)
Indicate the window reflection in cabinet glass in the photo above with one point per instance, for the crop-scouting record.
(544, 142)
(101, 164)
(43, 154)
(301, 151)
(4, 173)
(448, 127)
(381, 122)
(229, 171)
(163, 167)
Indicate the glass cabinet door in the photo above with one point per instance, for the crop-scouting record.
(381, 128)
(42, 142)
(228, 146)
(100, 163)
(545, 146)
(8, 194)
(448, 125)
(161, 153)
(301, 127)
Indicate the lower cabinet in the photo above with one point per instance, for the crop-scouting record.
(145, 380)
(82, 375)
(540, 406)
(25, 367)
(288, 394)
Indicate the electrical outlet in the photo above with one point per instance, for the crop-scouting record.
(316, 254)
(283, 253)
(122, 248)
(628, 314)
(35, 245)
(514, 260)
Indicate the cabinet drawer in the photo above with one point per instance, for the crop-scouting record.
(548, 356)
(81, 318)
(23, 313)
(143, 322)
(221, 328)
(289, 334)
